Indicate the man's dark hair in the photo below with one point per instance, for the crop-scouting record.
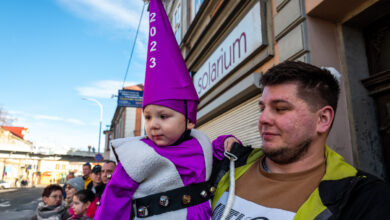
(96, 169)
(110, 161)
(51, 188)
(85, 195)
(317, 86)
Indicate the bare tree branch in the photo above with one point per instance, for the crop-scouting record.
(5, 118)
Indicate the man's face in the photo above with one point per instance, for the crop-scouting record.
(286, 124)
(70, 176)
(86, 171)
(164, 126)
(96, 178)
(54, 199)
(107, 169)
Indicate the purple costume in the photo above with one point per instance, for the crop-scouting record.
(160, 169)
(145, 168)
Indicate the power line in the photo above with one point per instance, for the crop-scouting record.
(132, 50)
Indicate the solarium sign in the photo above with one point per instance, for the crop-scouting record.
(243, 40)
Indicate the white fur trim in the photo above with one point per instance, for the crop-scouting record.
(154, 172)
(144, 165)
(207, 150)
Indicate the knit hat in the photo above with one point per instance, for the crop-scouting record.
(77, 183)
(167, 79)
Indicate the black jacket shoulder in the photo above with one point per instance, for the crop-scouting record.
(363, 196)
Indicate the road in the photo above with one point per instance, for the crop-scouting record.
(18, 204)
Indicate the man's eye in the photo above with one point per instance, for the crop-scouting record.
(261, 108)
(281, 109)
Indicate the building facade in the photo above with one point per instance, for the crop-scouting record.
(21, 161)
(228, 45)
(126, 122)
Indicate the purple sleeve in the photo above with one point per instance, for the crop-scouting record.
(218, 147)
(116, 199)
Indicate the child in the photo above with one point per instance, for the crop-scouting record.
(81, 201)
(163, 175)
(52, 206)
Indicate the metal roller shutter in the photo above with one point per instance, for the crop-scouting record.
(241, 121)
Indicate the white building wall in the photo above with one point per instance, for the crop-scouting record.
(143, 124)
(130, 122)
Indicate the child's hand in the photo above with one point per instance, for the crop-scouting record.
(228, 143)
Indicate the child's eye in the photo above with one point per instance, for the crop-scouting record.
(164, 116)
(147, 117)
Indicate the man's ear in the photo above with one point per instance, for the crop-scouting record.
(190, 125)
(325, 119)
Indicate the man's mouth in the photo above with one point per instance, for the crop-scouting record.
(268, 135)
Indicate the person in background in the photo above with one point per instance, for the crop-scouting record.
(71, 187)
(96, 185)
(86, 174)
(81, 202)
(68, 177)
(107, 170)
(52, 207)
(295, 175)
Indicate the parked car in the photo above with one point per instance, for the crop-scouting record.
(4, 185)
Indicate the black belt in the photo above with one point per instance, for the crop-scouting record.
(172, 200)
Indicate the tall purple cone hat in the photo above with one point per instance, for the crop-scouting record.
(167, 80)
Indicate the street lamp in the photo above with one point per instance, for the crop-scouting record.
(101, 118)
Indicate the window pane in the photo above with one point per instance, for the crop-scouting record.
(175, 20)
(178, 34)
(177, 24)
(198, 3)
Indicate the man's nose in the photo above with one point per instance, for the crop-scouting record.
(265, 117)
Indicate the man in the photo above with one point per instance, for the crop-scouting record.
(70, 176)
(86, 174)
(107, 170)
(96, 185)
(295, 175)
(52, 206)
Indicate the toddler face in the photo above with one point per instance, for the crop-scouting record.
(164, 126)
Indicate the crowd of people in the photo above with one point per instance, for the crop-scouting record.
(175, 172)
(79, 197)
(295, 175)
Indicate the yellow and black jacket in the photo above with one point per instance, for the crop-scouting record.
(344, 192)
